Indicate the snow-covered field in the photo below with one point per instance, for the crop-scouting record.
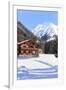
(44, 66)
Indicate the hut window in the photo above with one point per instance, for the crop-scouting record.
(27, 51)
(22, 51)
(33, 52)
(31, 46)
(24, 46)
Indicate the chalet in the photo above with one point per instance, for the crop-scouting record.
(27, 47)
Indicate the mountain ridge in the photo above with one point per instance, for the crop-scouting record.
(45, 29)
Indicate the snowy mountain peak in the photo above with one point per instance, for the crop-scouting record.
(45, 28)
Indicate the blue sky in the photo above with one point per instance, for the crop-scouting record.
(32, 18)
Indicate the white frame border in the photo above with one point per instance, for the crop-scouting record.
(13, 41)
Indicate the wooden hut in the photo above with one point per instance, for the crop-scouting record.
(27, 47)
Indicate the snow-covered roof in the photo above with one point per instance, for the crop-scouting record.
(23, 41)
